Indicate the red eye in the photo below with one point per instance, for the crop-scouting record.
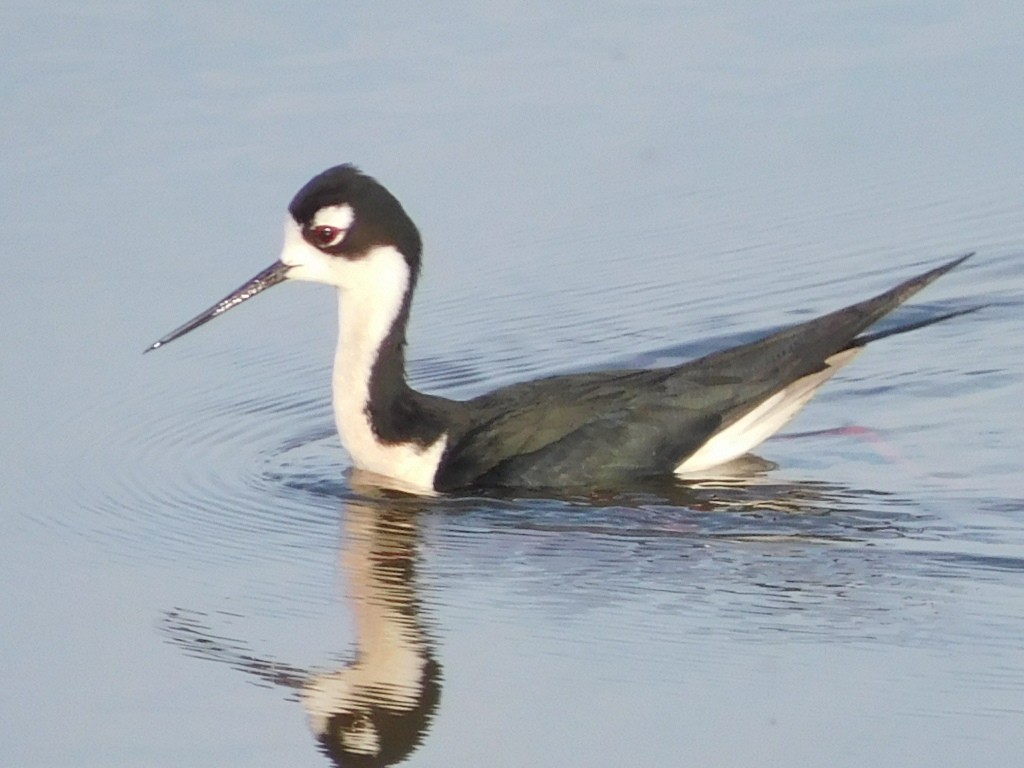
(324, 236)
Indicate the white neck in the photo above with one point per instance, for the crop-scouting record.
(366, 313)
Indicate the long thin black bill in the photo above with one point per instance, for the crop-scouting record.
(268, 278)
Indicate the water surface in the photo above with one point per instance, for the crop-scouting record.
(194, 577)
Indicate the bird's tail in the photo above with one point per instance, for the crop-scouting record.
(867, 338)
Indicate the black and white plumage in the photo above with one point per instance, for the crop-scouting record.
(582, 430)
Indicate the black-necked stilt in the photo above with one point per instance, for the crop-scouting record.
(582, 430)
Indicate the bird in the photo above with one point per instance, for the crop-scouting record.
(593, 430)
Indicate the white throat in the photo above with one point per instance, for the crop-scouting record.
(369, 303)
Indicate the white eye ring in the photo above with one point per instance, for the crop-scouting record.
(325, 236)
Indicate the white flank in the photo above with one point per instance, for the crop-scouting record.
(764, 420)
(370, 292)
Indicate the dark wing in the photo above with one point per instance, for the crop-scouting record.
(601, 428)
(572, 430)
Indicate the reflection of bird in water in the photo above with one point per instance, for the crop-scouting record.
(376, 709)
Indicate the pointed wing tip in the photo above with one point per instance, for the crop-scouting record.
(909, 287)
(942, 269)
(960, 260)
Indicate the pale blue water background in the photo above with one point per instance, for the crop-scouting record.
(625, 183)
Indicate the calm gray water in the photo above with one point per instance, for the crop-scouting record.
(191, 575)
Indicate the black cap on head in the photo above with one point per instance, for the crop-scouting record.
(379, 217)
